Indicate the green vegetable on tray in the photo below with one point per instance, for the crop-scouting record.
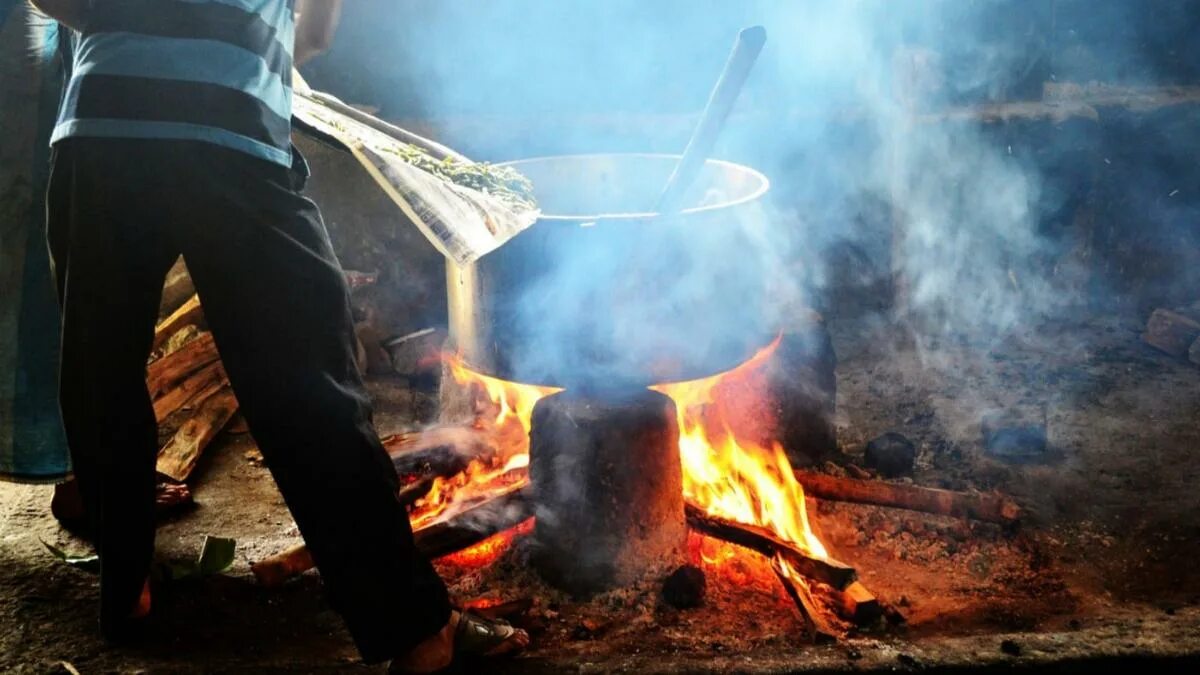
(502, 182)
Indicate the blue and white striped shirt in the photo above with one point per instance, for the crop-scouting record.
(209, 70)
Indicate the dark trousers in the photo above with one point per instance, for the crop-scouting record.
(120, 212)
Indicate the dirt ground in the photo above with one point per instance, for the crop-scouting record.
(1101, 570)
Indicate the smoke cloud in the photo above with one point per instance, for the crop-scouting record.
(840, 114)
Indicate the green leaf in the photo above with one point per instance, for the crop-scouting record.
(88, 563)
(216, 556)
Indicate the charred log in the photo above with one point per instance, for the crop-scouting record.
(438, 451)
(825, 570)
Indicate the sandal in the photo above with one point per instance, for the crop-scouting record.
(477, 639)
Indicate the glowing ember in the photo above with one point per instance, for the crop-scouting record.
(724, 472)
(489, 550)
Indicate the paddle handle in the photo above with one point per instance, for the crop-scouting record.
(745, 52)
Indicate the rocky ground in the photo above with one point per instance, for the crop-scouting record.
(1101, 570)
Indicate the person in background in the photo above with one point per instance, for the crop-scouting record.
(174, 138)
(33, 447)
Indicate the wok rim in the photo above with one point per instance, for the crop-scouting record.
(764, 184)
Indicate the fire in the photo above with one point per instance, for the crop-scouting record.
(725, 472)
(489, 550)
(507, 422)
(513, 401)
(736, 478)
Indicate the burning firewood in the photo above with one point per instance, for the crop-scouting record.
(857, 604)
(179, 456)
(991, 508)
(460, 531)
(818, 624)
(438, 451)
(825, 570)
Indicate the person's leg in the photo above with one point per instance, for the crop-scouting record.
(276, 300)
(109, 262)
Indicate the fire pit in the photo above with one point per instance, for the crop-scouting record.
(663, 414)
(569, 303)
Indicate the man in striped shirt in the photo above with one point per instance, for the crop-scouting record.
(174, 138)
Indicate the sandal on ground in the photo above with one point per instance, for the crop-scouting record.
(476, 639)
(479, 637)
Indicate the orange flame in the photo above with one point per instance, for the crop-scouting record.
(725, 472)
(507, 421)
(732, 478)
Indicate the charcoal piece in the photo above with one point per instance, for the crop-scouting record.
(1010, 647)
(891, 454)
(1014, 435)
(685, 588)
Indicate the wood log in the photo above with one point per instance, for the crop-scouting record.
(167, 372)
(827, 571)
(992, 508)
(188, 314)
(438, 451)
(178, 457)
(1172, 332)
(857, 604)
(818, 626)
(195, 388)
(439, 539)
(475, 524)
(608, 482)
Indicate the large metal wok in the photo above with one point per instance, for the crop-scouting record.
(601, 293)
